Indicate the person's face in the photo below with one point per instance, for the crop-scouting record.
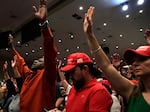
(38, 64)
(62, 90)
(3, 92)
(126, 71)
(141, 65)
(77, 76)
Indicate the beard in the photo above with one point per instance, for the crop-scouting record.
(78, 84)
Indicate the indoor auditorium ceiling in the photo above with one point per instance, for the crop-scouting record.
(115, 29)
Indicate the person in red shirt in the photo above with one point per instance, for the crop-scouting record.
(86, 94)
(39, 88)
(136, 96)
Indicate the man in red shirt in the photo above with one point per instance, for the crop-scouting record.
(86, 95)
(39, 88)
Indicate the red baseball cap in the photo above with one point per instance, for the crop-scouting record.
(131, 53)
(75, 59)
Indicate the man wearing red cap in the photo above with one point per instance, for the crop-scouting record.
(86, 95)
(136, 96)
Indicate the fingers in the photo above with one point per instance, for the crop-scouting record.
(34, 9)
(115, 56)
(5, 66)
(43, 2)
(12, 63)
(90, 12)
(6, 63)
(15, 58)
(10, 36)
(59, 63)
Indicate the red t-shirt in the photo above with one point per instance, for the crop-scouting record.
(93, 97)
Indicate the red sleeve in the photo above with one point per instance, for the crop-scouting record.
(100, 101)
(134, 82)
(50, 53)
(22, 66)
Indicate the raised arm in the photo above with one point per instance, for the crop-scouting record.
(62, 76)
(120, 84)
(9, 83)
(21, 65)
(17, 75)
(48, 43)
(6, 75)
(14, 67)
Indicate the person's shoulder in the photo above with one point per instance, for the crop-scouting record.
(98, 86)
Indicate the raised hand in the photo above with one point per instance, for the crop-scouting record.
(10, 42)
(14, 66)
(10, 39)
(147, 36)
(5, 66)
(41, 12)
(59, 64)
(88, 21)
(147, 33)
(116, 61)
(14, 62)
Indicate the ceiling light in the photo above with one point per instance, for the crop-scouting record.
(26, 53)
(127, 16)
(125, 7)
(18, 42)
(141, 29)
(121, 35)
(117, 47)
(140, 11)
(81, 8)
(93, 58)
(94, 63)
(40, 48)
(140, 2)
(59, 40)
(67, 50)
(71, 35)
(105, 24)
(26, 45)
(104, 40)
(132, 43)
(78, 47)
(33, 51)
(6, 49)
(58, 52)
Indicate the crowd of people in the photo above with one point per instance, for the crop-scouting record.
(115, 85)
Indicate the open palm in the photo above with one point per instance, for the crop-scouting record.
(87, 25)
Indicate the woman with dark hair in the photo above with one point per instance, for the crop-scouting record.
(136, 96)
